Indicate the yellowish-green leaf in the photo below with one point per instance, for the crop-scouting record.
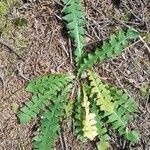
(89, 124)
(89, 129)
(69, 110)
(103, 145)
(103, 97)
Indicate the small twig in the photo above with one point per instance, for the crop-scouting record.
(19, 68)
(57, 2)
(70, 51)
(63, 141)
(123, 23)
(57, 16)
(145, 44)
(133, 13)
(121, 85)
(11, 49)
(64, 48)
(9, 96)
(134, 43)
(73, 90)
(65, 6)
(147, 101)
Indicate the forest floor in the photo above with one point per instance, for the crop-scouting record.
(41, 46)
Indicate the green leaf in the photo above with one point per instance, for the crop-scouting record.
(101, 129)
(24, 118)
(69, 112)
(103, 145)
(89, 122)
(44, 89)
(76, 22)
(132, 34)
(109, 49)
(49, 128)
(123, 109)
(132, 136)
(79, 116)
(103, 97)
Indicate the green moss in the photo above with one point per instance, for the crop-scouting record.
(12, 28)
(20, 22)
(144, 89)
(3, 8)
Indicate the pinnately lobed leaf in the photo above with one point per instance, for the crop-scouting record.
(75, 18)
(43, 89)
(89, 123)
(109, 49)
(115, 105)
(101, 129)
(49, 128)
(79, 115)
(132, 136)
(103, 97)
(122, 114)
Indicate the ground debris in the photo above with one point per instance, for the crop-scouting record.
(49, 51)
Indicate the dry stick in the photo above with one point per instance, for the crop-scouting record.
(19, 68)
(70, 51)
(133, 13)
(11, 49)
(63, 142)
(63, 47)
(145, 44)
(9, 96)
(59, 3)
(147, 101)
(134, 43)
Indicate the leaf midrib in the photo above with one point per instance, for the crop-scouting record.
(79, 47)
(48, 128)
(96, 85)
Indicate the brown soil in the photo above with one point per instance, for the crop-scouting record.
(50, 50)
